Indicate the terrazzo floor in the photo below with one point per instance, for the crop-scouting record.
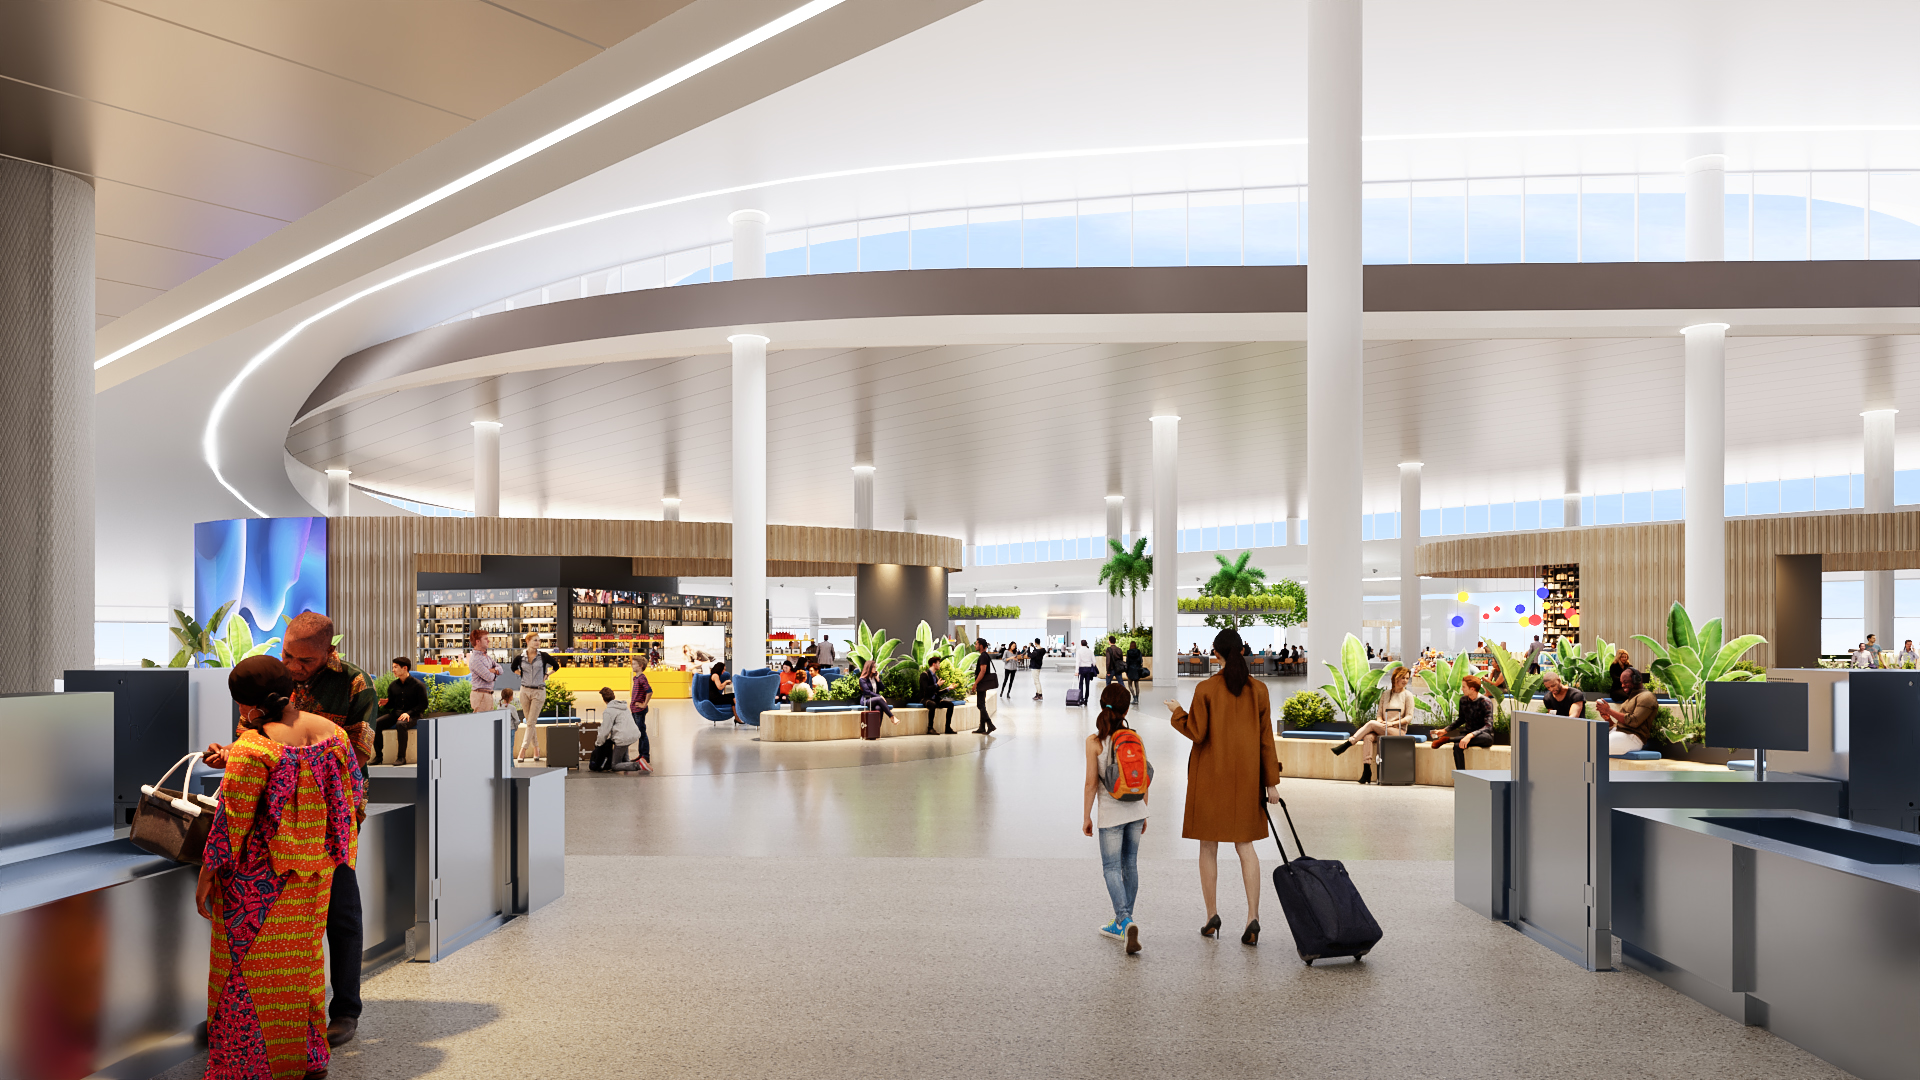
(932, 913)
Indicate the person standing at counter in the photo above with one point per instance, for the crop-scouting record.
(482, 669)
(287, 824)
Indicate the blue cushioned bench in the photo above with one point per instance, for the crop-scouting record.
(1638, 755)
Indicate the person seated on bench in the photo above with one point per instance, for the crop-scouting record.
(1621, 663)
(1396, 712)
(1475, 725)
(1563, 699)
(870, 696)
(933, 695)
(405, 703)
(789, 675)
(1633, 721)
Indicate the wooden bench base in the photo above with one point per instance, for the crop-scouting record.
(779, 725)
(1314, 759)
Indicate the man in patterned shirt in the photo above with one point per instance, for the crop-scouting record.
(328, 686)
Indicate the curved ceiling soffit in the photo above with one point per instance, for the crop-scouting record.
(911, 307)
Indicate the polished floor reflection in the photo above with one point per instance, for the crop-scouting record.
(802, 910)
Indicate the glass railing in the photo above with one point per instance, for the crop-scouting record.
(1613, 218)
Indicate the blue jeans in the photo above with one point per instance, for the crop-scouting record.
(1119, 860)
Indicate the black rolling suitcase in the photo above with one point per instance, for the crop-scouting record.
(1323, 909)
(1073, 696)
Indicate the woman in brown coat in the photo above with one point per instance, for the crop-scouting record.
(1231, 764)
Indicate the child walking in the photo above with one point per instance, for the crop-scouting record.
(1117, 779)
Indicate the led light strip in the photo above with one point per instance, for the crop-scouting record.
(612, 108)
(227, 394)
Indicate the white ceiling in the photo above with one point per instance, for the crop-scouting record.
(1481, 87)
(207, 125)
(1004, 443)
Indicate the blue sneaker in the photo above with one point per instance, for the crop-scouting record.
(1117, 929)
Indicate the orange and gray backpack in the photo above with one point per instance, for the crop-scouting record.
(1124, 769)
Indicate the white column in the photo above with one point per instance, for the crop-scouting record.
(337, 492)
(1409, 559)
(1293, 532)
(486, 468)
(1334, 384)
(863, 496)
(1114, 600)
(749, 243)
(1570, 508)
(911, 525)
(1706, 471)
(749, 501)
(1166, 550)
(669, 509)
(1706, 179)
(1879, 472)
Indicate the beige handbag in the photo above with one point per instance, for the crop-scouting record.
(173, 824)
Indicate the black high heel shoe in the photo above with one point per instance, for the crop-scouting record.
(1342, 748)
(1252, 936)
(1212, 929)
(1366, 772)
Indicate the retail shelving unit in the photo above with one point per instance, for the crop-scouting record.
(1561, 610)
(448, 617)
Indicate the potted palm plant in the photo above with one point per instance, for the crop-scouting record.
(1127, 572)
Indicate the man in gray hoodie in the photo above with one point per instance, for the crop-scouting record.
(618, 729)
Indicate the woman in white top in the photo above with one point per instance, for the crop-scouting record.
(1121, 823)
(1395, 713)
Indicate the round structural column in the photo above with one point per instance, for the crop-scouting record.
(337, 492)
(1409, 559)
(1115, 616)
(1879, 500)
(1706, 180)
(1706, 471)
(1334, 350)
(46, 425)
(669, 509)
(749, 501)
(1570, 509)
(486, 468)
(863, 496)
(749, 243)
(1166, 550)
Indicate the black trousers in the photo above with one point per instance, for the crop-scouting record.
(1006, 684)
(391, 724)
(932, 705)
(980, 702)
(1086, 682)
(346, 938)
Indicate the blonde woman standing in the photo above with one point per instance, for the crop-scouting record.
(1395, 713)
(532, 666)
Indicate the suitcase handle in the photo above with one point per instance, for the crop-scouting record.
(1298, 846)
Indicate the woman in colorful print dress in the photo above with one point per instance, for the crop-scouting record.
(288, 813)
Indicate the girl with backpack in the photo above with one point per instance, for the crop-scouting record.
(1118, 775)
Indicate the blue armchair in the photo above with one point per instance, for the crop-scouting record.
(754, 691)
(703, 703)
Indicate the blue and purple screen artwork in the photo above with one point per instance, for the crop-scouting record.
(272, 568)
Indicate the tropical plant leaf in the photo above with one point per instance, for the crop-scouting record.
(182, 658)
(239, 637)
(1659, 651)
(1729, 653)
(1680, 627)
(1712, 636)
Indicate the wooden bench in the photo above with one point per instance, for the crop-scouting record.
(1314, 759)
(779, 725)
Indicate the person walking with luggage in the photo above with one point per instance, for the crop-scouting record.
(1083, 666)
(1036, 659)
(1231, 765)
(933, 695)
(1116, 760)
(983, 680)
